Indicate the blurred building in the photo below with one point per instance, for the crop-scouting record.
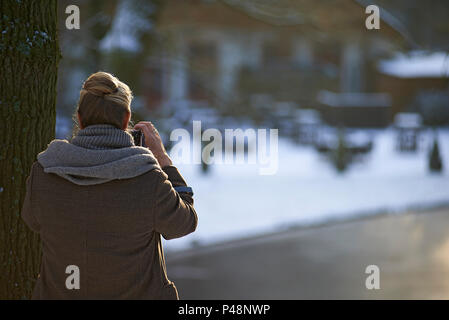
(224, 53)
(408, 76)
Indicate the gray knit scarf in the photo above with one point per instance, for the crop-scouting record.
(97, 154)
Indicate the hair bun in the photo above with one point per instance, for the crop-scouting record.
(101, 84)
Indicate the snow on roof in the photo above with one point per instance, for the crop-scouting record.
(417, 64)
(408, 120)
(358, 99)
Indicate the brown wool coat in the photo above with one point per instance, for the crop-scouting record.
(110, 231)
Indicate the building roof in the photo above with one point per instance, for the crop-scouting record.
(336, 18)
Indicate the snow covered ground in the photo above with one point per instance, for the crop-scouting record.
(234, 200)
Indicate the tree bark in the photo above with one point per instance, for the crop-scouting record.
(29, 55)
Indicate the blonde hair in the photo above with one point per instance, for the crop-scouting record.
(104, 99)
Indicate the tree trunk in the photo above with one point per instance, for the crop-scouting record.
(29, 56)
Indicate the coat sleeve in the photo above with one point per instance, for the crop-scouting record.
(28, 209)
(174, 215)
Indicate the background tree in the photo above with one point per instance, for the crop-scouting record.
(29, 58)
(80, 48)
(114, 36)
(435, 162)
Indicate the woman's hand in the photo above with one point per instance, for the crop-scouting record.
(154, 142)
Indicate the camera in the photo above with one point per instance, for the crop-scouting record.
(138, 137)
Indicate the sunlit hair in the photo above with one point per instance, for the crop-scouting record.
(104, 99)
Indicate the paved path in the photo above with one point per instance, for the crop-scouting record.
(327, 262)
